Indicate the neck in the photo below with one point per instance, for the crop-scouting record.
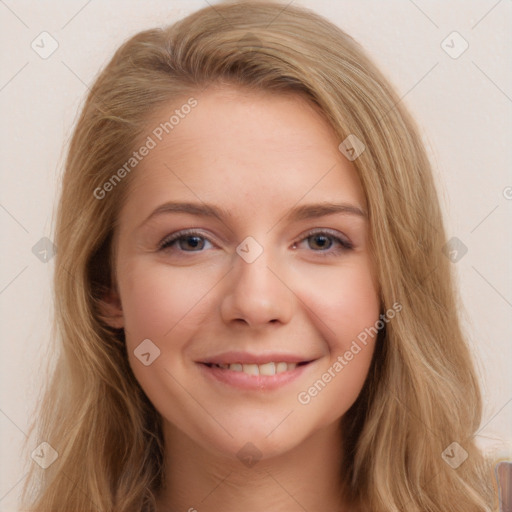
(305, 478)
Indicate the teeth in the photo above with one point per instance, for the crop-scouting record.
(266, 369)
(281, 367)
(251, 369)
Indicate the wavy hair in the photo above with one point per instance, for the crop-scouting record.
(421, 393)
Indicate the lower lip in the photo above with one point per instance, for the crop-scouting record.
(243, 380)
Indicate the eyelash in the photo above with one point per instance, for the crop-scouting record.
(167, 242)
(344, 245)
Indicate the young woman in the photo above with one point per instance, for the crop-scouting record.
(253, 304)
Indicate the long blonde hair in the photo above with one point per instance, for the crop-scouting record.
(421, 394)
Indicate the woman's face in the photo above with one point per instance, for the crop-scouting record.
(244, 273)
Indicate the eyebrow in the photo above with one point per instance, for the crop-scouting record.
(308, 211)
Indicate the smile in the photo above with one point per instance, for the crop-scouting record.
(248, 373)
(259, 369)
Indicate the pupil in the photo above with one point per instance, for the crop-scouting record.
(193, 241)
(321, 241)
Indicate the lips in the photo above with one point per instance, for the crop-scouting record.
(255, 371)
(254, 377)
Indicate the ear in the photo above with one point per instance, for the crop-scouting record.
(111, 310)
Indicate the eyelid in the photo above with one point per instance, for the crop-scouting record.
(182, 233)
(345, 243)
(343, 239)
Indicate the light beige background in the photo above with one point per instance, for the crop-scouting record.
(463, 106)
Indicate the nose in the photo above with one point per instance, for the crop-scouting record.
(257, 294)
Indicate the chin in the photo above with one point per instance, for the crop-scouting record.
(253, 439)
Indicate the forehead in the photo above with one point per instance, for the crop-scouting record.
(244, 118)
(238, 145)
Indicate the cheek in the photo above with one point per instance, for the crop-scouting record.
(344, 306)
(343, 302)
(164, 305)
(158, 299)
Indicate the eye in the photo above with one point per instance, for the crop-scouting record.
(186, 241)
(325, 242)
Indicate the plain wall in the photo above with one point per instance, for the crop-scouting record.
(463, 107)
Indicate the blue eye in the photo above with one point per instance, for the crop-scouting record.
(325, 242)
(187, 241)
(320, 241)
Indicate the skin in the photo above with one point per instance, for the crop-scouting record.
(257, 156)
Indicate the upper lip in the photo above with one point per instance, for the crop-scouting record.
(248, 358)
